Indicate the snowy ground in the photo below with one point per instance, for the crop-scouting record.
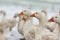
(15, 34)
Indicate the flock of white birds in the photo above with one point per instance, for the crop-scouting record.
(23, 28)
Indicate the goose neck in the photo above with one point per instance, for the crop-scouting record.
(29, 19)
(41, 25)
(42, 22)
(59, 27)
(59, 32)
(20, 22)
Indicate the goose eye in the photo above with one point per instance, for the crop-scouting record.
(36, 13)
(55, 16)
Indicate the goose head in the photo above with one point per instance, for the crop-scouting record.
(3, 12)
(38, 15)
(43, 11)
(55, 19)
(25, 14)
(20, 15)
(40, 18)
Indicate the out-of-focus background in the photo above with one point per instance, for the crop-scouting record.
(14, 6)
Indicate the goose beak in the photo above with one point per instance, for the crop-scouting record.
(51, 19)
(32, 15)
(21, 13)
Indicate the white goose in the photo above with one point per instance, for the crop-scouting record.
(50, 25)
(56, 19)
(42, 32)
(20, 24)
(8, 22)
(28, 28)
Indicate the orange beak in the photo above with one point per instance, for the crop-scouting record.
(51, 20)
(21, 13)
(32, 15)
